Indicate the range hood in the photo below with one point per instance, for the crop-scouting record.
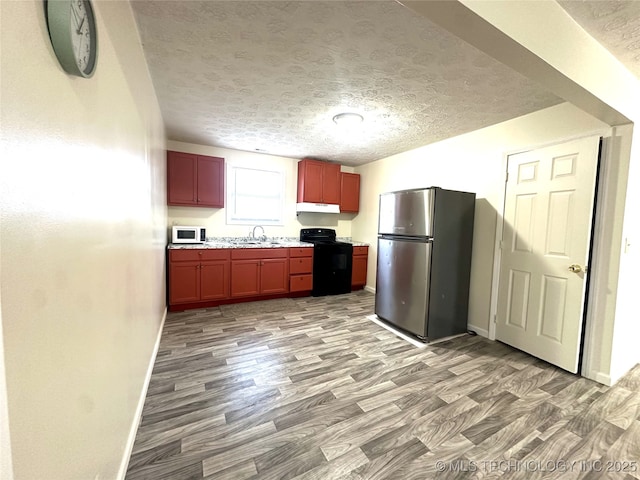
(317, 207)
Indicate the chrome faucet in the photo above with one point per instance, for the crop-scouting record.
(263, 237)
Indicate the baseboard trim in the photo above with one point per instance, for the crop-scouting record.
(599, 377)
(480, 331)
(143, 395)
(370, 289)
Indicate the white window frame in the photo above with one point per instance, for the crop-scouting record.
(242, 218)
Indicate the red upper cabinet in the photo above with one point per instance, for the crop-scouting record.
(195, 180)
(349, 192)
(331, 184)
(210, 181)
(182, 178)
(310, 181)
(318, 182)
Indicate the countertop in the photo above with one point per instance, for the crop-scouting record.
(232, 242)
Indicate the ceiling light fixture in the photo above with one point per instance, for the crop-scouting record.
(348, 119)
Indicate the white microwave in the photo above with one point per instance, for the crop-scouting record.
(182, 234)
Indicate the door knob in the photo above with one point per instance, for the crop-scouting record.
(575, 268)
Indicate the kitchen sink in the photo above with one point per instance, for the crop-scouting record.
(262, 243)
(254, 242)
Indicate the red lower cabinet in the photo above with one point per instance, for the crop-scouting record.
(245, 278)
(274, 276)
(184, 282)
(301, 269)
(197, 275)
(214, 280)
(259, 271)
(201, 277)
(359, 267)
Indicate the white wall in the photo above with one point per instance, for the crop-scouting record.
(83, 222)
(215, 218)
(541, 41)
(574, 66)
(473, 162)
(624, 348)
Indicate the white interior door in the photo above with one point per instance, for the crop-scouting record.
(547, 231)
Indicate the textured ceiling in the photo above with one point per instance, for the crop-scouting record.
(270, 75)
(614, 24)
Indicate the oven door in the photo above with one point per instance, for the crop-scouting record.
(332, 268)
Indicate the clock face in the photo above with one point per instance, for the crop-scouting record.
(80, 33)
(72, 29)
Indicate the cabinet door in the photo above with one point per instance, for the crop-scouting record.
(349, 192)
(182, 178)
(184, 282)
(359, 271)
(310, 181)
(245, 278)
(331, 183)
(214, 280)
(274, 276)
(210, 182)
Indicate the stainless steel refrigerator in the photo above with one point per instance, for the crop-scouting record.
(424, 261)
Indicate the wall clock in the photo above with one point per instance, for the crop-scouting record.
(72, 29)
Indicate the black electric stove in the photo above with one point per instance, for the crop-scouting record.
(331, 261)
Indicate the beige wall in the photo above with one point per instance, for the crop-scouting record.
(215, 218)
(473, 162)
(6, 465)
(83, 225)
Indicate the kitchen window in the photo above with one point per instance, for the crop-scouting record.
(255, 196)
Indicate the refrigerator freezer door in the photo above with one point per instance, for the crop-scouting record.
(408, 212)
(402, 283)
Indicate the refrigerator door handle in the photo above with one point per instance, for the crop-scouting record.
(405, 238)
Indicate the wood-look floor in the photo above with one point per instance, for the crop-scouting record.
(320, 392)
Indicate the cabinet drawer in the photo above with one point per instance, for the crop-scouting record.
(360, 250)
(249, 253)
(187, 255)
(301, 252)
(300, 283)
(194, 254)
(300, 265)
(215, 254)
